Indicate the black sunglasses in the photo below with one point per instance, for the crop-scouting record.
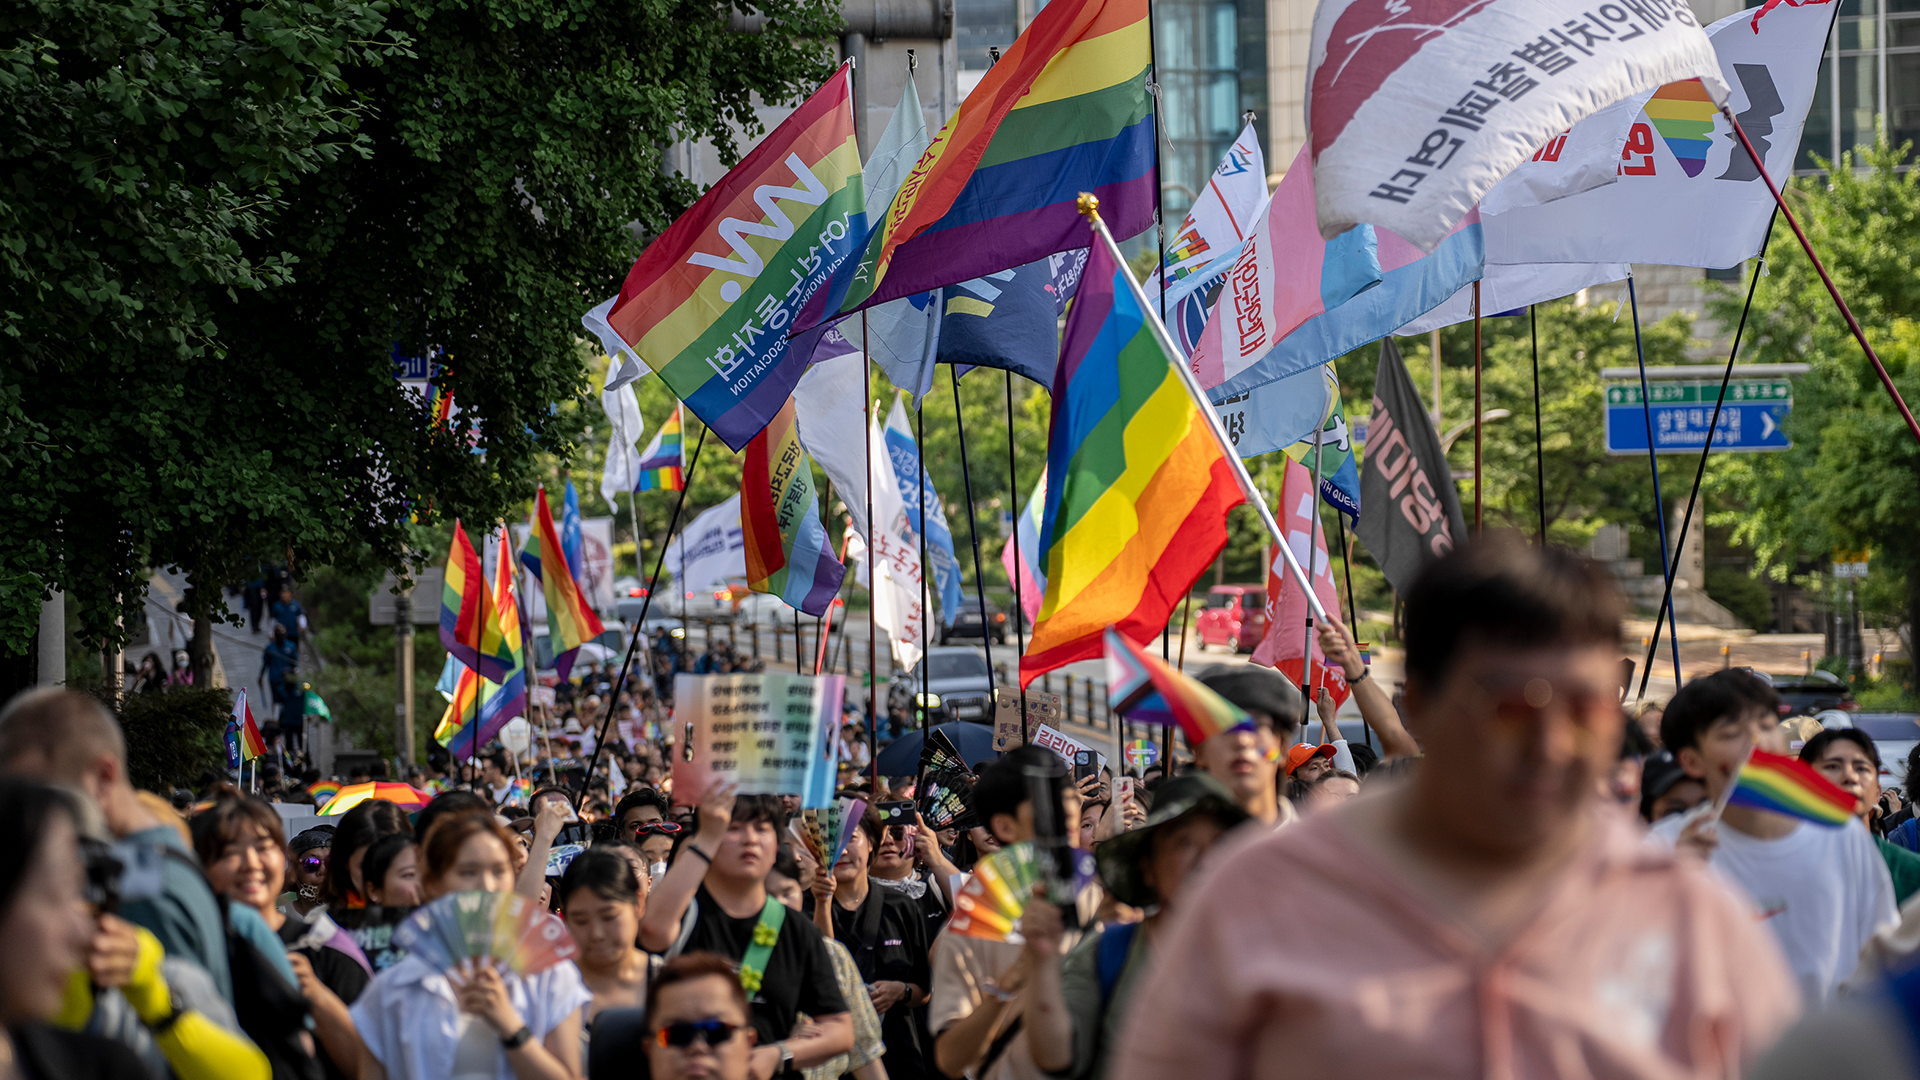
(312, 864)
(711, 1032)
(664, 828)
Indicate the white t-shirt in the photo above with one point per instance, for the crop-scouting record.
(1824, 891)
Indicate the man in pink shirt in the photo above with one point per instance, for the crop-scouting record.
(1489, 917)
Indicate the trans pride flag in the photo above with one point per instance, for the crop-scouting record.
(1024, 544)
(788, 552)
(710, 303)
(1064, 111)
(661, 467)
(1142, 687)
(1138, 488)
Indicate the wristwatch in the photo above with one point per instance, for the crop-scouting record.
(518, 1039)
(786, 1056)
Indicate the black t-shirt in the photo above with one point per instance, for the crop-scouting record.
(887, 935)
(337, 971)
(799, 976)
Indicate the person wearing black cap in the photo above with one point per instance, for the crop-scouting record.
(1665, 788)
(1076, 1019)
(1247, 760)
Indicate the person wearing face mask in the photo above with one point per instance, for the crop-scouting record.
(307, 870)
(475, 1021)
(45, 934)
(910, 862)
(886, 933)
(601, 899)
(239, 842)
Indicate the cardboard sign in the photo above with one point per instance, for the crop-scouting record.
(1066, 746)
(771, 733)
(1008, 731)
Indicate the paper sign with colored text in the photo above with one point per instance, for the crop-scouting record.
(770, 733)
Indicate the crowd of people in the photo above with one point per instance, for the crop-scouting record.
(1524, 880)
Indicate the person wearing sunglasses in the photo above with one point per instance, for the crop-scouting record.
(1489, 914)
(656, 839)
(307, 870)
(699, 1017)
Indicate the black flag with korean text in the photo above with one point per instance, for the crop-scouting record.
(1410, 511)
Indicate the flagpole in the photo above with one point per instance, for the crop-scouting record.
(973, 528)
(1346, 565)
(1726, 376)
(646, 602)
(1477, 470)
(926, 598)
(1653, 462)
(1307, 680)
(1539, 460)
(1019, 586)
(1089, 206)
(873, 573)
(1806, 245)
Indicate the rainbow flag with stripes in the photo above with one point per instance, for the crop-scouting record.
(1064, 111)
(570, 621)
(788, 551)
(710, 303)
(248, 732)
(1137, 487)
(468, 629)
(662, 466)
(1790, 786)
(1142, 687)
(1683, 114)
(499, 701)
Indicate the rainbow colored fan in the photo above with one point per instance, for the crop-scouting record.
(505, 927)
(990, 904)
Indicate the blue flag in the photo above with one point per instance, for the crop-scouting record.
(572, 543)
(939, 539)
(233, 745)
(1011, 319)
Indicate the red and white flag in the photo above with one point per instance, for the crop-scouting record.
(1419, 107)
(1286, 603)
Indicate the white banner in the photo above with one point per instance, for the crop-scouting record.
(1418, 108)
(899, 598)
(710, 551)
(1688, 194)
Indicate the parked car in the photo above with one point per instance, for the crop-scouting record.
(959, 687)
(762, 609)
(967, 623)
(1811, 693)
(662, 614)
(1235, 616)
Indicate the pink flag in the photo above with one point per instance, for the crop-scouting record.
(1286, 604)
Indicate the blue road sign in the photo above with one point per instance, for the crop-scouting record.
(1682, 428)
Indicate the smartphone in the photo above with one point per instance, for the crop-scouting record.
(895, 813)
(1084, 765)
(1122, 789)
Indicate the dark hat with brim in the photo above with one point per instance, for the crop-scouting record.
(1120, 858)
(1258, 690)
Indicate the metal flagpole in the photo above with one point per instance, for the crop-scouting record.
(1307, 680)
(1539, 461)
(1477, 470)
(1089, 206)
(1019, 586)
(646, 602)
(973, 528)
(873, 573)
(1653, 462)
(926, 597)
(1726, 376)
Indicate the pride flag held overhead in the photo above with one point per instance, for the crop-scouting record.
(570, 621)
(1024, 545)
(663, 466)
(246, 731)
(466, 610)
(709, 304)
(1065, 110)
(1144, 688)
(1138, 486)
(1790, 786)
(499, 700)
(788, 551)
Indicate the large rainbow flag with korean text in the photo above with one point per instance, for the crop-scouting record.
(1137, 487)
(1064, 111)
(788, 551)
(710, 303)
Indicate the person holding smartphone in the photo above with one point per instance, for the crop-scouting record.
(887, 935)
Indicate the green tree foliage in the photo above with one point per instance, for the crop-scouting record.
(175, 735)
(468, 196)
(1852, 479)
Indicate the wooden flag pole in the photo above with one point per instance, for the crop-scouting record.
(1090, 207)
(1806, 245)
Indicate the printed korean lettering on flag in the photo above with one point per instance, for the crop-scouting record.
(1418, 108)
(1286, 603)
(1215, 227)
(899, 605)
(1410, 511)
(1688, 194)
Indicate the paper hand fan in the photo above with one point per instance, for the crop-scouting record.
(992, 901)
(475, 913)
(944, 801)
(419, 936)
(528, 938)
(940, 754)
(851, 811)
(807, 828)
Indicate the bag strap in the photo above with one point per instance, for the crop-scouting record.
(687, 922)
(1111, 958)
(753, 964)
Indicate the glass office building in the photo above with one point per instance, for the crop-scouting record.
(1871, 69)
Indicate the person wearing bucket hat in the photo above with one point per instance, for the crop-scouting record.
(1247, 760)
(1077, 1020)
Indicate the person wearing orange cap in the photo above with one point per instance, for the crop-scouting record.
(1306, 761)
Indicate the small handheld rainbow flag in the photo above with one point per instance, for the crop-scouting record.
(322, 790)
(251, 744)
(1789, 786)
(1142, 687)
(661, 465)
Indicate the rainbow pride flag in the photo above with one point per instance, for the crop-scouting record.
(1064, 111)
(1142, 687)
(499, 700)
(251, 744)
(1683, 114)
(466, 610)
(1137, 487)
(788, 551)
(1790, 786)
(570, 621)
(662, 467)
(710, 303)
